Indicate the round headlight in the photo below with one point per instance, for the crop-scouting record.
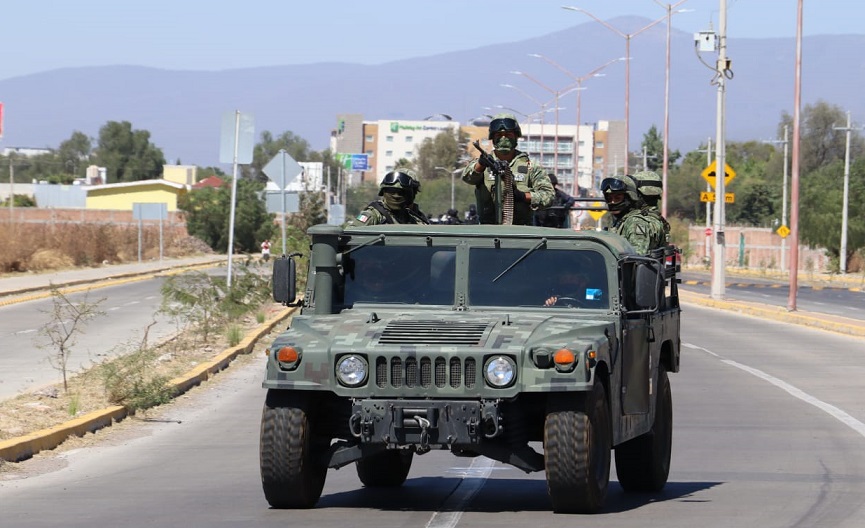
(351, 370)
(500, 371)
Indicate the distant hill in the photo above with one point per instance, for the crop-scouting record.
(183, 109)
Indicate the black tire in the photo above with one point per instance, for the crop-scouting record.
(388, 469)
(643, 464)
(292, 472)
(577, 447)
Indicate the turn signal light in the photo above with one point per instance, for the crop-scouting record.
(564, 358)
(287, 355)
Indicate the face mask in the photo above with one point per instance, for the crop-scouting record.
(505, 144)
(394, 201)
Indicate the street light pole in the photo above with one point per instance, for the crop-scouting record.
(786, 144)
(556, 102)
(627, 37)
(543, 112)
(843, 251)
(578, 84)
(794, 167)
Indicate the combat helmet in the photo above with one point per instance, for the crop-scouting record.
(649, 184)
(403, 179)
(506, 122)
(626, 184)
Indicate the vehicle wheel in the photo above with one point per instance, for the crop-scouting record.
(292, 472)
(577, 448)
(643, 464)
(387, 469)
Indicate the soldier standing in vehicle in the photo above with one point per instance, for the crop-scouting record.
(396, 205)
(633, 220)
(531, 188)
(650, 185)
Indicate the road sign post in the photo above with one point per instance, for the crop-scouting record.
(283, 171)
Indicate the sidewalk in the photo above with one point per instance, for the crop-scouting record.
(27, 286)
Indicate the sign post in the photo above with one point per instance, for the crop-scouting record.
(283, 171)
(236, 145)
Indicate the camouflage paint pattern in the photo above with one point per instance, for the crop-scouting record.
(642, 229)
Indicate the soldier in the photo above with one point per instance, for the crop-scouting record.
(650, 185)
(633, 221)
(531, 187)
(396, 205)
(559, 210)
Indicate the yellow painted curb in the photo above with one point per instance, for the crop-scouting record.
(838, 324)
(24, 447)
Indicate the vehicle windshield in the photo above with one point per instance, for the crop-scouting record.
(399, 275)
(563, 278)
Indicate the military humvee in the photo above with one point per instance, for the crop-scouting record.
(477, 339)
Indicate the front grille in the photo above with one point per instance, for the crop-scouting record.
(426, 372)
(433, 332)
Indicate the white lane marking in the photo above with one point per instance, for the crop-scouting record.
(130, 303)
(113, 308)
(473, 480)
(828, 408)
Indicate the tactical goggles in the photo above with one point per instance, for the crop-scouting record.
(505, 124)
(613, 185)
(393, 177)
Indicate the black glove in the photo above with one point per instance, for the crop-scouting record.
(520, 196)
(487, 161)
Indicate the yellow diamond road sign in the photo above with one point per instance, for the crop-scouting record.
(597, 214)
(708, 173)
(783, 231)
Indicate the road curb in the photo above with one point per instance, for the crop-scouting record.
(24, 447)
(19, 296)
(838, 324)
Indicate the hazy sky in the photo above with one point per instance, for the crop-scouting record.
(40, 35)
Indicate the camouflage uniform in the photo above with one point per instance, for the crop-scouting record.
(649, 185)
(642, 229)
(528, 177)
(398, 190)
(634, 221)
(504, 133)
(376, 213)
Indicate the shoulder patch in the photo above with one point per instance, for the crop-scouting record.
(523, 169)
(363, 217)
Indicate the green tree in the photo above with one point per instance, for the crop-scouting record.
(127, 154)
(443, 150)
(820, 208)
(74, 153)
(266, 149)
(821, 144)
(208, 216)
(653, 143)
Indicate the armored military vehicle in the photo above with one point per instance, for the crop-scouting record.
(546, 349)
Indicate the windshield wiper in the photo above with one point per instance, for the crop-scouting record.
(543, 242)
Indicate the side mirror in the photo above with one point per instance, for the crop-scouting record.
(285, 280)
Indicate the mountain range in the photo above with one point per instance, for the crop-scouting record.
(183, 109)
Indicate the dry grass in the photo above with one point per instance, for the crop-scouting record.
(62, 245)
(50, 406)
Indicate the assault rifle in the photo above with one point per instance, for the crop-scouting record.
(504, 197)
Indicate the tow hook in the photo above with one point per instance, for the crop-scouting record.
(424, 434)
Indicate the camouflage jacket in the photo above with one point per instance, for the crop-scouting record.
(642, 229)
(657, 213)
(528, 177)
(377, 213)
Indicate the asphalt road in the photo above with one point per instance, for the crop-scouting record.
(768, 432)
(831, 300)
(128, 308)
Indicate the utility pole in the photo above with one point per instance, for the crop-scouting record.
(794, 167)
(718, 258)
(843, 252)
